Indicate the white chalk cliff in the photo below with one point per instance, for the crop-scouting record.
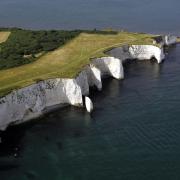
(33, 101)
(142, 52)
(169, 40)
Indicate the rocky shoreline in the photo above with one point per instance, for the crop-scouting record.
(35, 100)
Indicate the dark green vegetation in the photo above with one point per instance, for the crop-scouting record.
(63, 62)
(24, 46)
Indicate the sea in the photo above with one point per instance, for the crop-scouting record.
(133, 132)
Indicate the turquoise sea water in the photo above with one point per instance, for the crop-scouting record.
(134, 131)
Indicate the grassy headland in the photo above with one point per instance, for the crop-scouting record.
(24, 46)
(67, 60)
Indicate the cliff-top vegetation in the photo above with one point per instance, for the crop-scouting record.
(41, 55)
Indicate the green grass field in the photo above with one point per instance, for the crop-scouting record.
(4, 36)
(68, 60)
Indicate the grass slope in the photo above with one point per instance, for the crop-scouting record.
(23, 46)
(68, 60)
(4, 36)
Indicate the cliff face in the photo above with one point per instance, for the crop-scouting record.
(166, 40)
(31, 102)
(142, 52)
(110, 66)
(169, 40)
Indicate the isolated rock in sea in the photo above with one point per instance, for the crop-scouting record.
(88, 104)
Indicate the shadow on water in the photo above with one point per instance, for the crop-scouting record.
(12, 140)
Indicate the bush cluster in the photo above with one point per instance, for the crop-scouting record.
(23, 45)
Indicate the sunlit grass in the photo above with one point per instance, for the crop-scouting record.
(67, 61)
(4, 36)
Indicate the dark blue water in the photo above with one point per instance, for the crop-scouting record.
(135, 15)
(133, 133)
